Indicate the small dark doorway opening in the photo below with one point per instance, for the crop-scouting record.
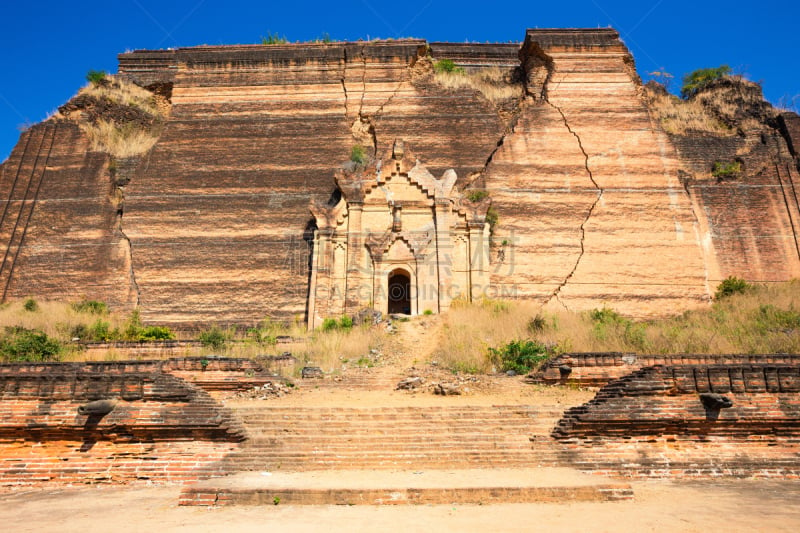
(399, 292)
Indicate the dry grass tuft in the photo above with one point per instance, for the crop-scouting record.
(54, 318)
(680, 117)
(737, 101)
(766, 319)
(123, 93)
(123, 141)
(330, 350)
(496, 84)
(118, 136)
(470, 329)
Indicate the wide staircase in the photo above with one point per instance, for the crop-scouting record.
(300, 439)
(352, 439)
(439, 454)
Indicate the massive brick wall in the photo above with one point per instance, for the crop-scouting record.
(597, 369)
(656, 422)
(587, 188)
(752, 222)
(60, 233)
(274, 122)
(161, 428)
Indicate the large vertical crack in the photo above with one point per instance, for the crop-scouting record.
(120, 198)
(557, 291)
(363, 128)
(363, 82)
(507, 130)
(121, 173)
(344, 81)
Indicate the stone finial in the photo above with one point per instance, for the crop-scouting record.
(398, 150)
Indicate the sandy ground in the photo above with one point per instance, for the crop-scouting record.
(494, 391)
(731, 506)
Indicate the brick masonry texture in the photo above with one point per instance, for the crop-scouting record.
(597, 369)
(161, 428)
(656, 422)
(587, 187)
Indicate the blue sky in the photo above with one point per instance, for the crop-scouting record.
(47, 47)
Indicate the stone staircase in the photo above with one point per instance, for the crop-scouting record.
(399, 455)
(301, 439)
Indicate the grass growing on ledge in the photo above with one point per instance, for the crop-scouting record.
(123, 93)
(494, 83)
(762, 319)
(123, 141)
(680, 117)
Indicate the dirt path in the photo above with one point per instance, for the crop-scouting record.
(732, 506)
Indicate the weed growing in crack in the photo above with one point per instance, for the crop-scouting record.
(726, 170)
(358, 154)
(447, 66)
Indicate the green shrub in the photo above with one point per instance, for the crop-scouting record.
(262, 336)
(214, 338)
(519, 356)
(726, 170)
(609, 324)
(365, 362)
(358, 155)
(730, 286)
(447, 66)
(80, 332)
(700, 78)
(91, 307)
(30, 305)
(101, 331)
(344, 323)
(427, 312)
(492, 218)
(273, 38)
(156, 333)
(605, 316)
(772, 318)
(477, 195)
(136, 332)
(96, 77)
(22, 344)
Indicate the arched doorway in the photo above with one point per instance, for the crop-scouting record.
(399, 292)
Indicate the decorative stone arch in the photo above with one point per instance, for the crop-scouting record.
(401, 291)
(395, 216)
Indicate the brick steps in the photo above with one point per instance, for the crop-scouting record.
(521, 485)
(301, 439)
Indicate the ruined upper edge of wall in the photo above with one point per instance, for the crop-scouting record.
(160, 66)
(575, 39)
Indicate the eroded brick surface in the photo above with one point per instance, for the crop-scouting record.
(597, 369)
(161, 427)
(655, 422)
